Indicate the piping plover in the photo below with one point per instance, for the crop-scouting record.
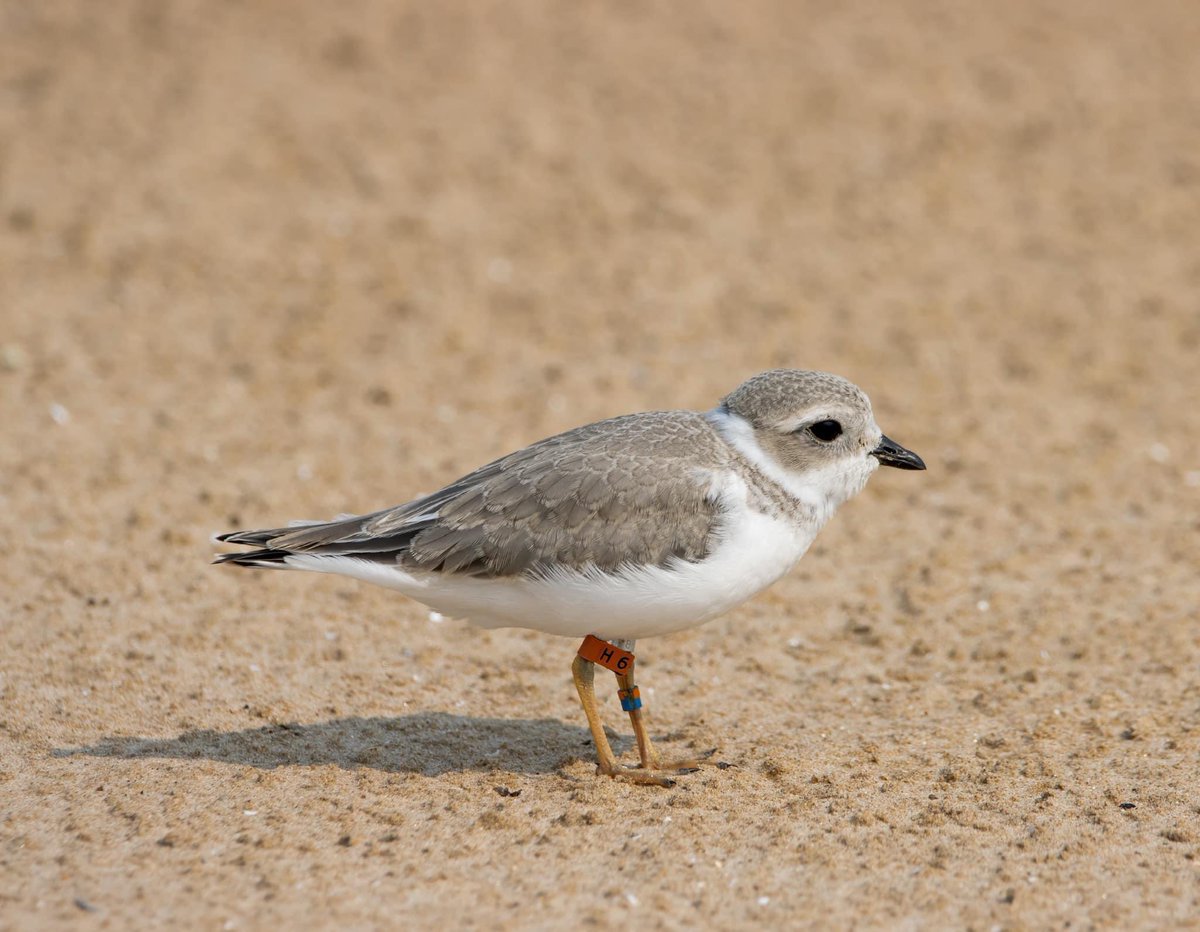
(624, 529)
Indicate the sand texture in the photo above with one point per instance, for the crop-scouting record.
(271, 260)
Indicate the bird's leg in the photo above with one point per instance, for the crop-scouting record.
(618, 657)
(584, 672)
(631, 702)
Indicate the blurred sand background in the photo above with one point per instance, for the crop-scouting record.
(270, 260)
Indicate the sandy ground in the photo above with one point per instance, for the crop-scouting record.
(267, 260)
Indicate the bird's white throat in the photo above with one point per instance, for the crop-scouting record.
(820, 490)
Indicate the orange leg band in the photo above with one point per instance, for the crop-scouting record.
(607, 655)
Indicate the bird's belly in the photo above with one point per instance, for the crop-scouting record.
(754, 551)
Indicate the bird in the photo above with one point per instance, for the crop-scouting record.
(627, 528)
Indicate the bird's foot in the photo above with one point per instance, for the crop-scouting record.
(688, 765)
(657, 772)
(641, 776)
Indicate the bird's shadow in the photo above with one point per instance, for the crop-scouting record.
(429, 743)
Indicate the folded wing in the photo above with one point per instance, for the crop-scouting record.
(605, 496)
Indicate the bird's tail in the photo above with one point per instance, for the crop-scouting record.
(275, 545)
(272, 558)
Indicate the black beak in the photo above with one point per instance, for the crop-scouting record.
(890, 453)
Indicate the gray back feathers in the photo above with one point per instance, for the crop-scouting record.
(610, 494)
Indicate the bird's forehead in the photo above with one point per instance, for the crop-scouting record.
(783, 393)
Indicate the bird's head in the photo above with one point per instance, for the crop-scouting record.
(816, 428)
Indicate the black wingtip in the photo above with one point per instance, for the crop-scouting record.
(267, 558)
(259, 538)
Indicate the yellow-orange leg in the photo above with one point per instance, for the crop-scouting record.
(584, 673)
(646, 752)
(651, 760)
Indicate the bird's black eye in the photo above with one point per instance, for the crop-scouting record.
(826, 431)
